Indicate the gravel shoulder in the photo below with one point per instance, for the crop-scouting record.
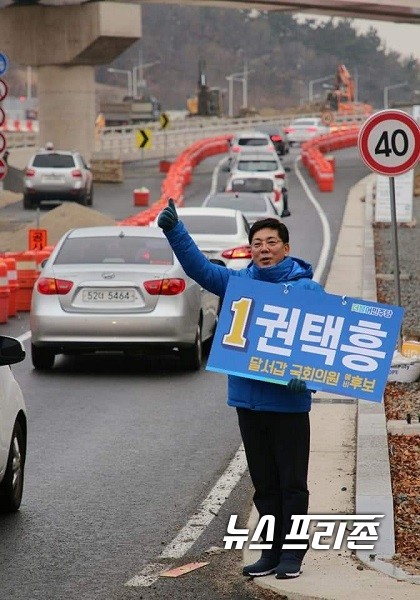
(402, 400)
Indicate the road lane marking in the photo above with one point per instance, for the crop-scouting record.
(326, 231)
(201, 519)
(25, 336)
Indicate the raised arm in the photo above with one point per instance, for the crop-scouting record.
(196, 265)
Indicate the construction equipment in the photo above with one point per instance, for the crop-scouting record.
(143, 108)
(208, 101)
(342, 98)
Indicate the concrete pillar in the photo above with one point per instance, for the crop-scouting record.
(67, 107)
(66, 43)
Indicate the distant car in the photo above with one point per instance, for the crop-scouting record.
(258, 163)
(119, 289)
(304, 129)
(13, 427)
(220, 233)
(277, 136)
(265, 184)
(57, 175)
(253, 205)
(249, 141)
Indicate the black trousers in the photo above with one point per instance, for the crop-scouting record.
(277, 452)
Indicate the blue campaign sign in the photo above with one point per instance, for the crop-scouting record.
(274, 333)
(4, 63)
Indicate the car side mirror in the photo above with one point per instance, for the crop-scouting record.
(43, 262)
(217, 261)
(11, 350)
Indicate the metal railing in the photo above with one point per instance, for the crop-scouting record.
(121, 143)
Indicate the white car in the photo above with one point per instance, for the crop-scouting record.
(304, 129)
(253, 205)
(257, 163)
(220, 233)
(264, 184)
(13, 427)
(249, 141)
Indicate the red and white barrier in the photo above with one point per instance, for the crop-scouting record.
(20, 126)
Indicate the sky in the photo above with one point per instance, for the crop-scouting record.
(402, 37)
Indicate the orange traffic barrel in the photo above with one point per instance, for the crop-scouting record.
(27, 274)
(13, 284)
(4, 293)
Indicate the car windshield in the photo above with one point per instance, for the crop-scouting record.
(252, 142)
(216, 225)
(257, 165)
(114, 250)
(252, 184)
(53, 161)
(256, 204)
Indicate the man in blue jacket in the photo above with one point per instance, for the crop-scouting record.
(273, 418)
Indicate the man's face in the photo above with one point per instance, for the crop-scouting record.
(267, 249)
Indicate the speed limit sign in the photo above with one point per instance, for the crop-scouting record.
(389, 142)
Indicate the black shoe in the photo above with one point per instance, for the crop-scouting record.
(289, 566)
(264, 566)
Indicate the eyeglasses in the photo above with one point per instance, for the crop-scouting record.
(270, 243)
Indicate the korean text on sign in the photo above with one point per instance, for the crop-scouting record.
(271, 332)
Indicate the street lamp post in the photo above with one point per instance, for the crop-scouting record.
(129, 79)
(392, 87)
(138, 79)
(313, 81)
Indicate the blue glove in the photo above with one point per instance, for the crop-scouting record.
(168, 218)
(297, 385)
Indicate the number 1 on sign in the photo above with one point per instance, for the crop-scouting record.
(385, 147)
(242, 311)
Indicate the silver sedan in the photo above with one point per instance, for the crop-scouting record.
(118, 289)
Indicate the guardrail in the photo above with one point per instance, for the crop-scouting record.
(120, 142)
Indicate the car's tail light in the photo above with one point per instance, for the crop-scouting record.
(280, 175)
(51, 286)
(276, 138)
(29, 172)
(76, 173)
(165, 287)
(239, 252)
(312, 128)
(277, 195)
(235, 149)
(288, 129)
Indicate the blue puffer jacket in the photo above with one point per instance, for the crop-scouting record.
(243, 392)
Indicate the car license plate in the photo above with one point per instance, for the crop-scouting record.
(53, 179)
(108, 295)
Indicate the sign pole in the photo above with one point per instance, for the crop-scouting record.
(395, 248)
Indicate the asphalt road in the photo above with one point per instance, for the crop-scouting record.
(121, 453)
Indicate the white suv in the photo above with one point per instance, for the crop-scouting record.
(57, 175)
(13, 427)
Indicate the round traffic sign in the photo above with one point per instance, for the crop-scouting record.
(3, 169)
(2, 143)
(3, 89)
(2, 117)
(4, 63)
(327, 117)
(389, 142)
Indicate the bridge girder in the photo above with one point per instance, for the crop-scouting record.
(398, 11)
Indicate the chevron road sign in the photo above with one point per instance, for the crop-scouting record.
(163, 120)
(143, 138)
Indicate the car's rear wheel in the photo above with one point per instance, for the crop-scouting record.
(11, 488)
(192, 358)
(27, 202)
(89, 200)
(42, 358)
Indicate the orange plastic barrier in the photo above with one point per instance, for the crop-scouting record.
(27, 274)
(4, 293)
(13, 284)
